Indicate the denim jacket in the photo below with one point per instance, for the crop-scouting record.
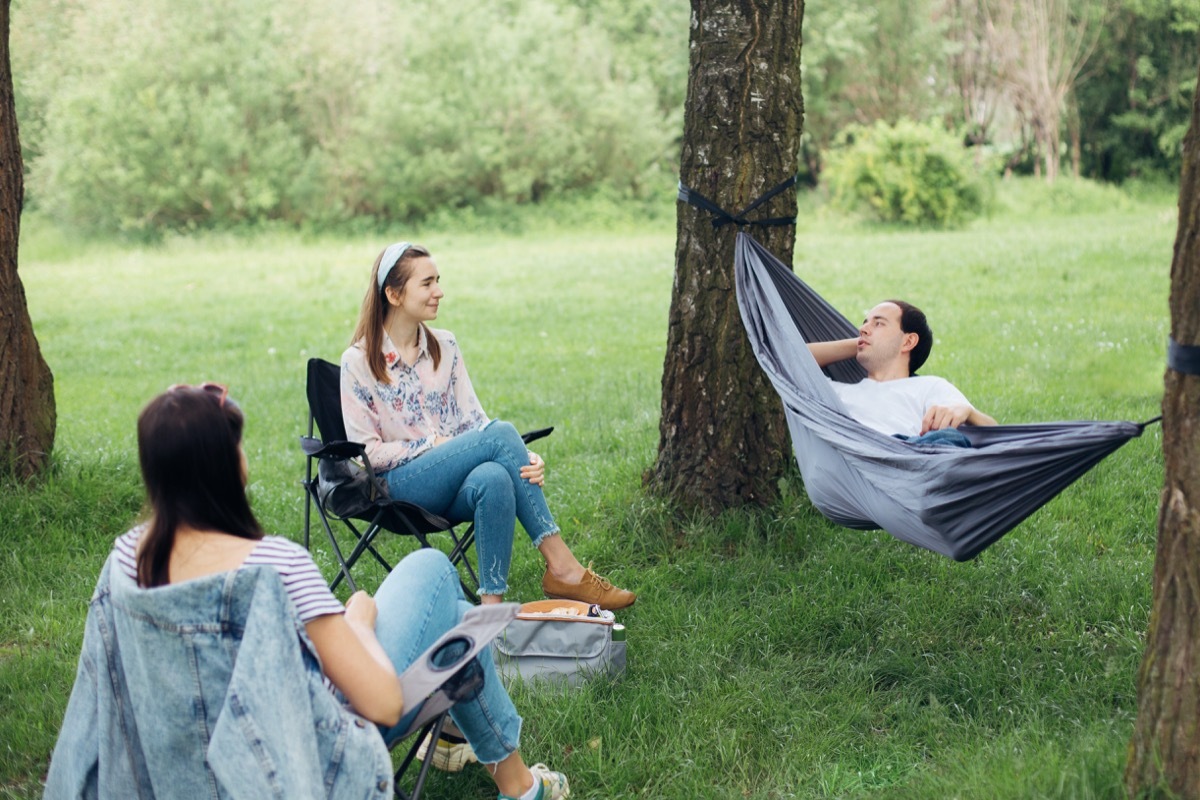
(207, 689)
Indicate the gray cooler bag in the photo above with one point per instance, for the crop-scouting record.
(556, 640)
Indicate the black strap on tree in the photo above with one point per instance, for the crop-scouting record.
(1183, 358)
(723, 217)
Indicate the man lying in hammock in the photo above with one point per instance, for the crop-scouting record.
(893, 342)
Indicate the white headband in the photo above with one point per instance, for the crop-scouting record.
(389, 259)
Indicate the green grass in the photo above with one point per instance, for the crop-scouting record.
(772, 654)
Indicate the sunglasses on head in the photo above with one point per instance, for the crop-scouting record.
(215, 389)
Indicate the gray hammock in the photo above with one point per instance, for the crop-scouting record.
(952, 500)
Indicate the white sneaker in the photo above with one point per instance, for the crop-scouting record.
(451, 753)
(554, 784)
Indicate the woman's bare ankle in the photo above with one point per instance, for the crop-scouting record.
(560, 561)
(511, 775)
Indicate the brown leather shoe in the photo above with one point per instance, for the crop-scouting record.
(591, 589)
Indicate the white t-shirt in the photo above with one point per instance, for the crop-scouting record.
(896, 406)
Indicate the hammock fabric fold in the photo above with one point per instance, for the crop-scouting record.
(951, 500)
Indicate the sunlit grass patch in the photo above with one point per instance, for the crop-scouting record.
(772, 654)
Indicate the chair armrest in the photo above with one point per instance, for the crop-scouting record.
(336, 449)
(448, 656)
(540, 433)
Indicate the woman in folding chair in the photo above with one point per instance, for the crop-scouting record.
(406, 396)
(200, 525)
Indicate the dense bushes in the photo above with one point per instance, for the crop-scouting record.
(146, 115)
(170, 114)
(177, 122)
(906, 173)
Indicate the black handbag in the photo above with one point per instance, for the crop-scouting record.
(346, 488)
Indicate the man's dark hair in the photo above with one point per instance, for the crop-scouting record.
(912, 320)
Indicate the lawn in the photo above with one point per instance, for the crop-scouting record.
(772, 654)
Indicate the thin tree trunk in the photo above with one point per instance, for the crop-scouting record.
(1074, 134)
(27, 414)
(722, 433)
(1164, 752)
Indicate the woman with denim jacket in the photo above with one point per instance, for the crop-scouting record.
(407, 398)
(200, 524)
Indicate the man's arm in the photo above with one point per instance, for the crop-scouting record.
(827, 353)
(938, 417)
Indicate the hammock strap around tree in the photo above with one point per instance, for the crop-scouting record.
(723, 217)
(1182, 357)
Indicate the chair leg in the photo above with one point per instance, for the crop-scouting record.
(343, 567)
(364, 543)
(309, 493)
(459, 557)
(434, 731)
(307, 483)
(307, 514)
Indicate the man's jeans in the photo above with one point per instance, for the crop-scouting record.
(477, 476)
(946, 436)
(419, 601)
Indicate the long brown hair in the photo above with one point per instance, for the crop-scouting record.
(375, 307)
(188, 441)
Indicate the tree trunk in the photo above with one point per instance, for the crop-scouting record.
(722, 436)
(1075, 137)
(1164, 752)
(27, 415)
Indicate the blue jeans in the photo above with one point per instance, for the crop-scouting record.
(946, 436)
(419, 601)
(477, 477)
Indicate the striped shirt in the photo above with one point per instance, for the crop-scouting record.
(305, 586)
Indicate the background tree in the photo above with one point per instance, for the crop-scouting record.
(1165, 749)
(835, 40)
(649, 38)
(1054, 40)
(27, 414)
(866, 61)
(722, 434)
(977, 54)
(1134, 109)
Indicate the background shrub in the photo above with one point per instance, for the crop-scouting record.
(907, 173)
(163, 115)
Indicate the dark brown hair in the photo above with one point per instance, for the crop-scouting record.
(375, 307)
(912, 320)
(188, 441)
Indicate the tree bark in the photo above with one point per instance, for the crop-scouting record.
(1046, 46)
(1164, 752)
(722, 435)
(27, 413)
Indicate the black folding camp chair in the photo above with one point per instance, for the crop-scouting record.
(346, 491)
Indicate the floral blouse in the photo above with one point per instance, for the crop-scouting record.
(398, 420)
